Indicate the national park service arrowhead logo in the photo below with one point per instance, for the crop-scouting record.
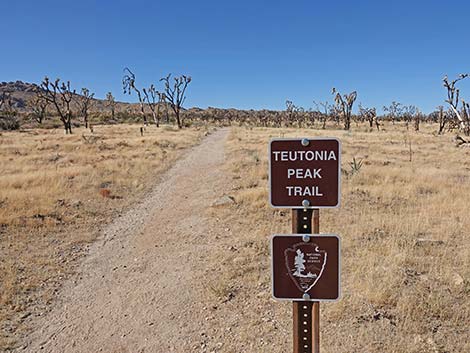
(305, 263)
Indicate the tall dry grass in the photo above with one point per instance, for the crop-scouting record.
(405, 228)
(56, 193)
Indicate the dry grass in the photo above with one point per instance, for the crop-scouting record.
(56, 193)
(399, 294)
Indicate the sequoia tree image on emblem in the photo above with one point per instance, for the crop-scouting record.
(305, 263)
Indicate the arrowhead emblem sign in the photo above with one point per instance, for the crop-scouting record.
(303, 266)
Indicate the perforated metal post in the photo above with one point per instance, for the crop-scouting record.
(306, 314)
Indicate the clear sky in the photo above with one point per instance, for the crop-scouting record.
(243, 54)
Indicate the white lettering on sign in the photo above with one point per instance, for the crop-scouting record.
(292, 156)
(304, 173)
(303, 191)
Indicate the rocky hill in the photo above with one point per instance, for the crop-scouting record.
(21, 92)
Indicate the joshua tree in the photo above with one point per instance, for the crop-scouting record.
(442, 119)
(344, 104)
(84, 103)
(3, 99)
(8, 120)
(60, 96)
(369, 114)
(174, 94)
(326, 111)
(162, 102)
(6, 104)
(39, 108)
(128, 85)
(111, 103)
(453, 94)
(417, 119)
(291, 112)
(408, 113)
(395, 111)
(150, 96)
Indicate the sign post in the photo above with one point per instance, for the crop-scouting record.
(304, 175)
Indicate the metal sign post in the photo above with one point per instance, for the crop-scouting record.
(306, 314)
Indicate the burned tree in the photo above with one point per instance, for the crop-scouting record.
(344, 104)
(442, 119)
(325, 113)
(4, 97)
(291, 112)
(407, 112)
(6, 105)
(418, 117)
(111, 103)
(369, 115)
(150, 96)
(8, 119)
(84, 102)
(453, 95)
(38, 108)
(162, 102)
(394, 111)
(128, 85)
(174, 94)
(60, 96)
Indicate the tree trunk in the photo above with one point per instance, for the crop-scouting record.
(178, 121)
(347, 123)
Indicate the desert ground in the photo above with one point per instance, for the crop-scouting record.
(116, 242)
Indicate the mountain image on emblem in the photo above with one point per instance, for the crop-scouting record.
(305, 263)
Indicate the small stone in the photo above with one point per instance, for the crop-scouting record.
(224, 200)
(457, 279)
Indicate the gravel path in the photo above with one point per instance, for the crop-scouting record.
(138, 289)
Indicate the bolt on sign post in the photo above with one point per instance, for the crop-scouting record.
(304, 174)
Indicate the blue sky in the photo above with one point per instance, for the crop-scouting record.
(244, 54)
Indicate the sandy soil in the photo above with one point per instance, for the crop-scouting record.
(141, 288)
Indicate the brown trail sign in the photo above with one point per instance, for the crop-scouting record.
(305, 173)
(305, 267)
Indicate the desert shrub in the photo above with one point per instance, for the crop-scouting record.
(9, 123)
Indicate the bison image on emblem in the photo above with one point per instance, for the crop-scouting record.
(305, 263)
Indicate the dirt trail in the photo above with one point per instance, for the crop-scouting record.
(139, 289)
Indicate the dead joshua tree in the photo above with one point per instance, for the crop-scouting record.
(162, 102)
(8, 120)
(39, 108)
(442, 119)
(344, 103)
(291, 112)
(6, 105)
(395, 111)
(128, 85)
(453, 94)
(408, 113)
(111, 103)
(174, 94)
(368, 114)
(150, 96)
(417, 119)
(3, 98)
(84, 103)
(60, 96)
(326, 111)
